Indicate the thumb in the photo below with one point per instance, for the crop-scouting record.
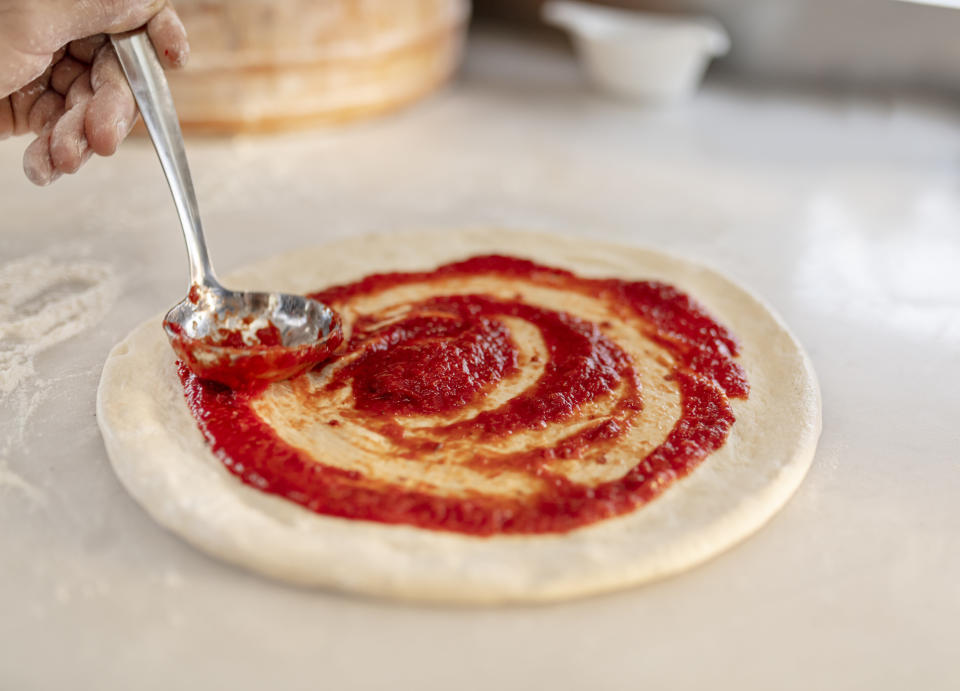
(80, 18)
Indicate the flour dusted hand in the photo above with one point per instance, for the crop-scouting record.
(61, 80)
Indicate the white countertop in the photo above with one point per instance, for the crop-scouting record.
(842, 212)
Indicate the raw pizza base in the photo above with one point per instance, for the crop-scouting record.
(162, 459)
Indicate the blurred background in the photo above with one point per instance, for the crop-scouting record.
(262, 65)
(884, 43)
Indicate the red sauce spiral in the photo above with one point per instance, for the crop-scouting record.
(443, 357)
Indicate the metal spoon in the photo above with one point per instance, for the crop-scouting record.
(234, 337)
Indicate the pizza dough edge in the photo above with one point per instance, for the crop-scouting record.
(161, 458)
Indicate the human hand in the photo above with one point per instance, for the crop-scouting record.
(61, 80)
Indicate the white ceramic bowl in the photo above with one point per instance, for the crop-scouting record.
(638, 55)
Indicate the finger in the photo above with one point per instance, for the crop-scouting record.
(169, 37)
(127, 15)
(85, 49)
(22, 100)
(68, 143)
(65, 73)
(37, 164)
(6, 118)
(73, 19)
(21, 103)
(111, 111)
(48, 107)
(80, 92)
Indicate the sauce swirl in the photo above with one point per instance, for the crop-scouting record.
(441, 358)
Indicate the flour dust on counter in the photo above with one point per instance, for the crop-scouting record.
(43, 302)
(511, 417)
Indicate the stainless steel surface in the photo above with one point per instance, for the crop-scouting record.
(302, 322)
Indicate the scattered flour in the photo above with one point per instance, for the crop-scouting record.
(43, 302)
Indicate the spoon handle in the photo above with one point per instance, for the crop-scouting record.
(145, 75)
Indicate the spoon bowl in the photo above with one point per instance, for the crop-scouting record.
(241, 339)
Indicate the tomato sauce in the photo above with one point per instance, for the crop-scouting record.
(447, 354)
(241, 360)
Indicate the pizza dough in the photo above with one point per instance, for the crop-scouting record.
(161, 457)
